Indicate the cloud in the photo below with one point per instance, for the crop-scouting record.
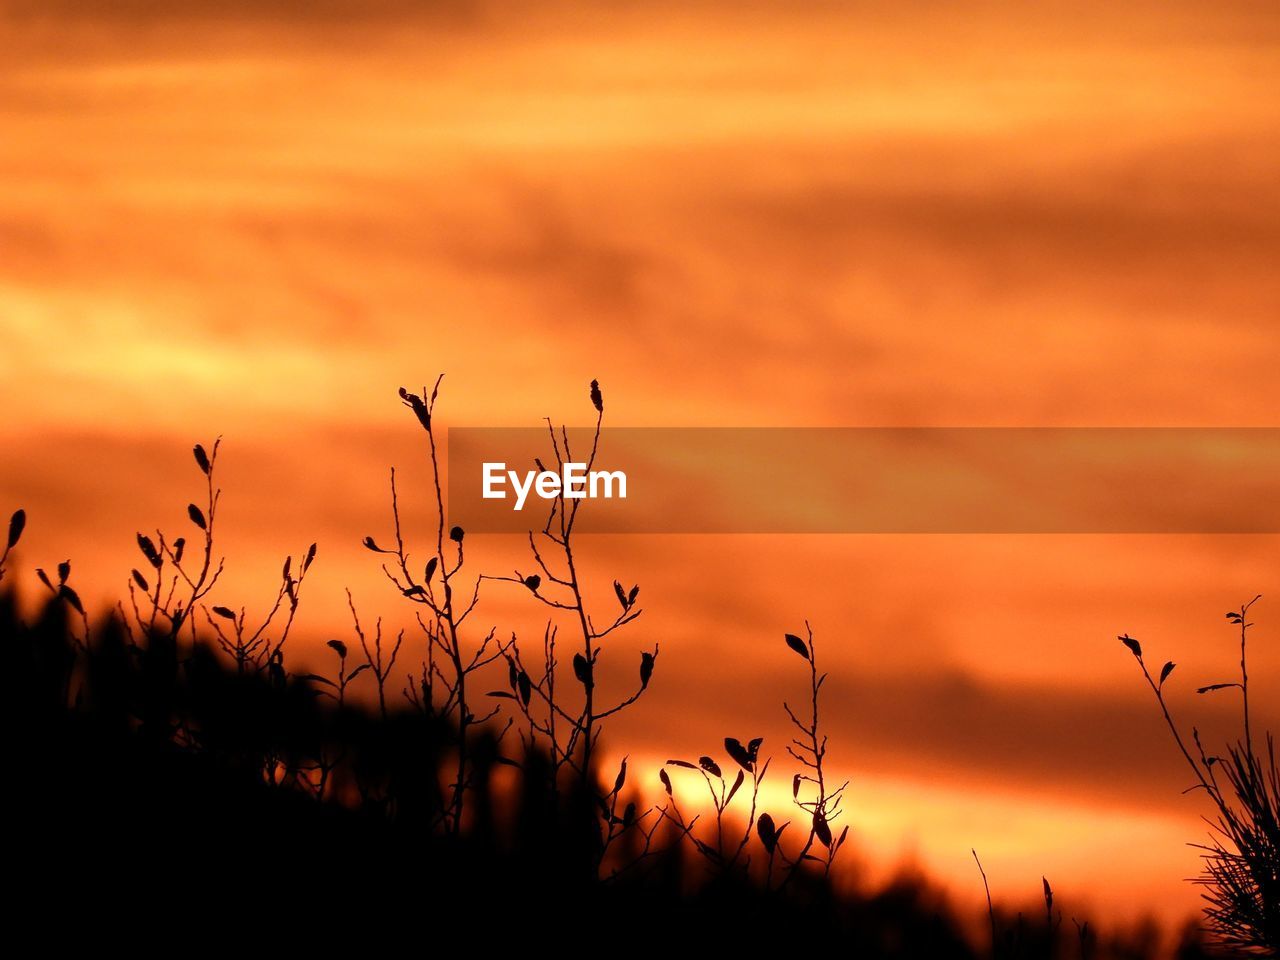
(1063, 743)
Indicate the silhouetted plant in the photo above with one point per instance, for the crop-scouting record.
(17, 523)
(1025, 940)
(1242, 859)
(379, 663)
(440, 688)
(1084, 939)
(811, 792)
(726, 852)
(810, 750)
(63, 592)
(250, 646)
(171, 569)
(568, 732)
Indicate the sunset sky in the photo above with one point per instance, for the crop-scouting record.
(233, 219)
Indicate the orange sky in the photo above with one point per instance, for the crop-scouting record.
(229, 220)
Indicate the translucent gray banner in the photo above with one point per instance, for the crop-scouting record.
(873, 480)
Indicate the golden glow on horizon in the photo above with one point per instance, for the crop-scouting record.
(897, 823)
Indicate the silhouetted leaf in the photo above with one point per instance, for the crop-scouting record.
(533, 582)
(415, 591)
(795, 786)
(629, 815)
(622, 776)
(525, 686)
(202, 459)
(197, 517)
(622, 596)
(357, 671)
(179, 546)
(666, 781)
(141, 581)
(430, 570)
(456, 534)
(227, 614)
(822, 829)
(64, 571)
(418, 406)
(1133, 645)
(371, 544)
(738, 752)
(310, 558)
(17, 523)
(73, 598)
(1166, 670)
(582, 670)
(753, 748)
(339, 647)
(843, 836)
(798, 645)
(631, 597)
(44, 578)
(597, 399)
(767, 832)
(511, 673)
(508, 762)
(1048, 893)
(682, 763)
(288, 565)
(734, 789)
(646, 669)
(149, 551)
(710, 766)
(502, 694)
(1216, 686)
